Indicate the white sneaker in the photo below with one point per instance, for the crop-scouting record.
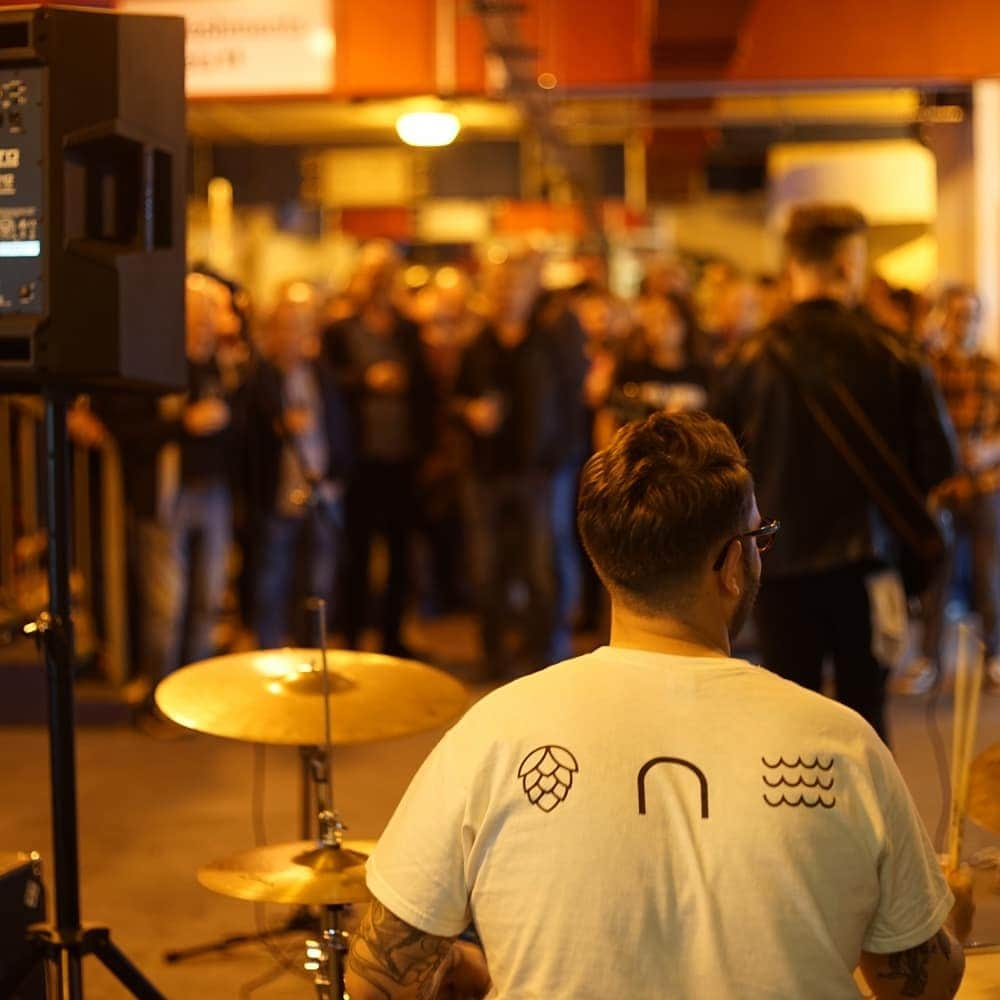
(919, 677)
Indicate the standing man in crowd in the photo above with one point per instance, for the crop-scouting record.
(448, 325)
(379, 361)
(561, 331)
(507, 402)
(970, 382)
(816, 600)
(300, 459)
(177, 450)
(630, 798)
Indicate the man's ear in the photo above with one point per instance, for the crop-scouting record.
(731, 573)
(842, 264)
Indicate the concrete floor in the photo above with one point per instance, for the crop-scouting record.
(153, 811)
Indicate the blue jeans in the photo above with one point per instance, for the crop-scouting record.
(182, 568)
(298, 559)
(566, 559)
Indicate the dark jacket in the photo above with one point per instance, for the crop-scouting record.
(568, 358)
(528, 439)
(827, 518)
(350, 374)
(264, 409)
(136, 421)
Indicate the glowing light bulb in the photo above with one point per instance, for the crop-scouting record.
(428, 128)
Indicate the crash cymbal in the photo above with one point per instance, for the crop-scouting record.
(276, 696)
(983, 804)
(303, 872)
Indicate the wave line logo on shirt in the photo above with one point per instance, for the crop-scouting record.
(780, 780)
(547, 776)
(799, 762)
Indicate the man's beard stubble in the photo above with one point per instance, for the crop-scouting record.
(747, 598)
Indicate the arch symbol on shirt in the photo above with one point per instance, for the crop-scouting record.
(680, 761)
(547, 776)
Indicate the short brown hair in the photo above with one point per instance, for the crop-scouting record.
(958, 291)
(816, 231)
(658, 501)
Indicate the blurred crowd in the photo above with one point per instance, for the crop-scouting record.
(447, 419)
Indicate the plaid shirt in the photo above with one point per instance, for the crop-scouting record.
(970, 384)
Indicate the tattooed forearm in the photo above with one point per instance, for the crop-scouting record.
(395, 960)
(910, 966)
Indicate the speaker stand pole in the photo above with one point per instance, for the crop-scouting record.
(65, 945)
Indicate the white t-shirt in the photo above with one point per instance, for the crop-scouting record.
(634, 824)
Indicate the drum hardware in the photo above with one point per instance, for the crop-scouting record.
(316, 700)
(330, 956)
(327, 957)
(276, 696)
(286, 697)
(270, 875)
(328, 872)
(305, 872)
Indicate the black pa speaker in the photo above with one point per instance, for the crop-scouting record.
(92, 158)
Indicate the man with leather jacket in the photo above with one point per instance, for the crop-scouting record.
(816, 599)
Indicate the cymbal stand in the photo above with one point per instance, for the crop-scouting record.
(301, 918)
(327, 956)
(315, 763)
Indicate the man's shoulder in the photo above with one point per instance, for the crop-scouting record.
(752, 349)
(811, 706)
(529, 695)
(814, 320)
(800, 330)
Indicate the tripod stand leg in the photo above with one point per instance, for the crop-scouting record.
(69, 975)
(234, 940)
(119, 965)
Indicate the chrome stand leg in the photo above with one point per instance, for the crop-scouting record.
(327, 958)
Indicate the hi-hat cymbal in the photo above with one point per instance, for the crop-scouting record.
(276, 696)
(304, 872)
(983, 803)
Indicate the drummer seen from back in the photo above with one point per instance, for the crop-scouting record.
(657, 819)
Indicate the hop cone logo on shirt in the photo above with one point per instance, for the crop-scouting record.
(547, 776)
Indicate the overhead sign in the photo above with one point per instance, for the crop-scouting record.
(893, 181)
(252, 48)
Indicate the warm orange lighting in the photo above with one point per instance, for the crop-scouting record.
(299, 292)
(447, 277)
(416, 276)
(428, 128)
(547, 81)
